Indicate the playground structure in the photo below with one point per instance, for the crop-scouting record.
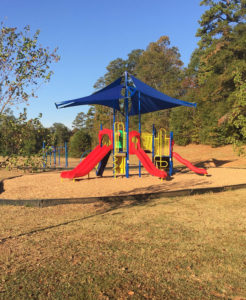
(52, 155)
(140, 98)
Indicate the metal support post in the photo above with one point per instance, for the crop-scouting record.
(153, 143)
(127, 127)
(44, 165)
(54, 156)
(66, 155)
(113, 142)
(139, 127)
(171, 155)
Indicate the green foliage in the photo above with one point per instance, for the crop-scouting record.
(19, 135)
(84, 120)
(21, 140)
(181, 126)
(210, 74)
(219, 19)
(24, 65)
(118, 66)
(87, 122)
(160, 67)
(214, 79)
(79, 143)
(79, 121)
(236, 119)
(59, 134)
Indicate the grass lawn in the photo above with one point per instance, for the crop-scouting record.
(178, 248)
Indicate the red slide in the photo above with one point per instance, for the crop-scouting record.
(88, 163)
(189, 164)
(143, 157)
(148, 165)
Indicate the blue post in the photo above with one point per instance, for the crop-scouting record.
(59, 156)
(50, 157)
(66, 155)
(55, 156)
(127, 126)
(44, 154)
(153, 143)
(170, 155)
(139, 128)
(113, 141)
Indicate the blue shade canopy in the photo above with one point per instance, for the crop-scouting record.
(111, 85)
(108, 96)
(152, 100)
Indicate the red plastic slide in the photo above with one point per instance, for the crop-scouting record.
(143, 157)
(88, 163)
(189, 164)
(148, 165)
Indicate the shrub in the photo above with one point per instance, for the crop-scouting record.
(79, 143)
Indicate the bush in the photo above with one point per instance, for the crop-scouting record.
(79, 143)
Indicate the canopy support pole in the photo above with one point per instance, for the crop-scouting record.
(113, 141)
(127, 126)
(139, 127)
(153, 143)
(171, 154)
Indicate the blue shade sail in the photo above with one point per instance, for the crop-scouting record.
(153, 100)
(108, 96)
(111, 85)
(150, 99)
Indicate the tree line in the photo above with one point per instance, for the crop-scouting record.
(215, 79)
(20, 136)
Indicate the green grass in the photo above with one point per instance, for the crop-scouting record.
(179, 248)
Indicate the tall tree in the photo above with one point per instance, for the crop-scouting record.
(214, 64)
(235, 120)
(84, 120)
(79, 143)
(160, 66)
(218, 21)
(24, 65)
(79, 121)
(59, 134)
(21, 140)
(118, 66)
(222, 46)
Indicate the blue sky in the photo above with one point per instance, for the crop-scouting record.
(90, 34)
